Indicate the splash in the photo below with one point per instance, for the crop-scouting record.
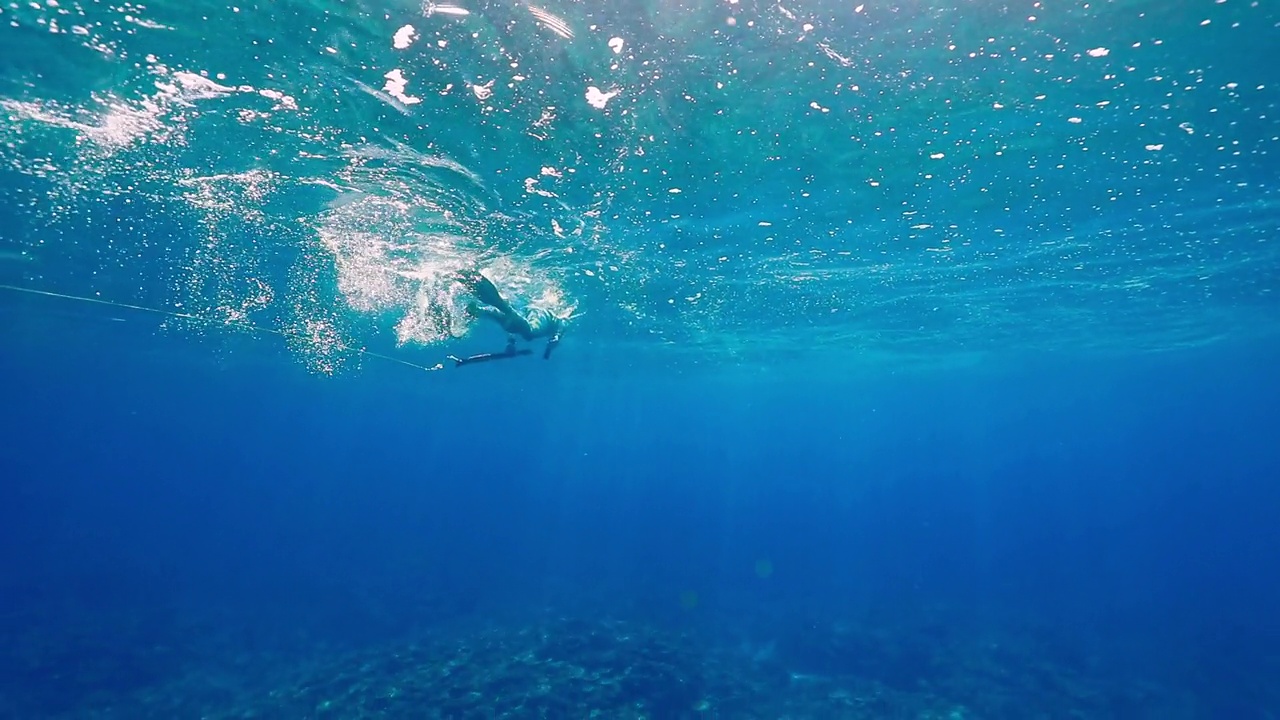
(885, 180)
(402, 232)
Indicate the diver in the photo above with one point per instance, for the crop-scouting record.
(536, 322)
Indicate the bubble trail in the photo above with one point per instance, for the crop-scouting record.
(235, 324)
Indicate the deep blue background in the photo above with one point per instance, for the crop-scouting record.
(1128, 501)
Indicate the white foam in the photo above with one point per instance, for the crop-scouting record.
(597, 98)
(395, 87)
(404, 37)
(433, 9)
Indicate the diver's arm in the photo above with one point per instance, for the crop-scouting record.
(551, 345)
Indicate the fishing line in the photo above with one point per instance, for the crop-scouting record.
(237, 324)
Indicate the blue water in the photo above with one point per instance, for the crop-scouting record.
(919, 363)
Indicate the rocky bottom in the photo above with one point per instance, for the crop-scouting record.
(606, 668)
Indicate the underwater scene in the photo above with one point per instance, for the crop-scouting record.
(640, 359)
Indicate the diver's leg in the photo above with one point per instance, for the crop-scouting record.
(484, 290)
(484, 311)
(511, 322)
